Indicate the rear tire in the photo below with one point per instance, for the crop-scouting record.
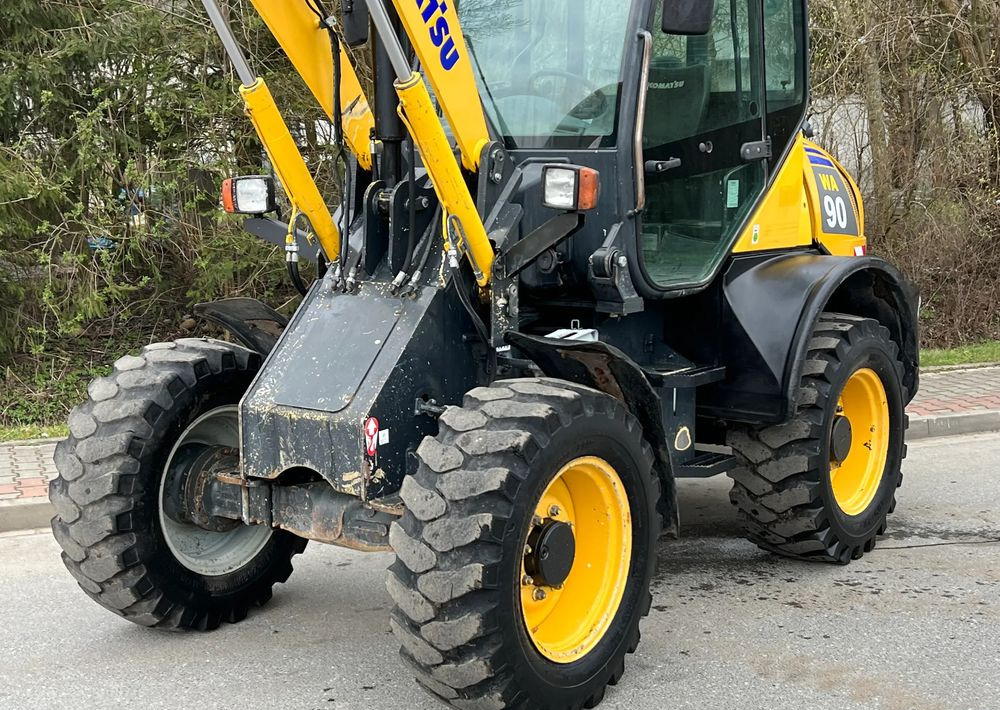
(107, 496)
(785, 486)
(459, 582)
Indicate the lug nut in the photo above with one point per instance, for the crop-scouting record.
(554, 511)
(539, 595)
(527, 581)
(536, 521)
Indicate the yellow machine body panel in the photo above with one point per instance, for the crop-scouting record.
(812, 200)
(835, 204)
(782, 219)
(307, 45)
(446, 176)
(436, 35)
(289, 165)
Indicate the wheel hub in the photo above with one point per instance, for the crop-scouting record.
(859, 441)
(576, 562)
(553, 550)
(840, 439)
(188, 481)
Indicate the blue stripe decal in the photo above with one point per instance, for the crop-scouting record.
(820, 161)
(814, 151)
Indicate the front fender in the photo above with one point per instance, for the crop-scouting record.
(606, 368)
(254, 324)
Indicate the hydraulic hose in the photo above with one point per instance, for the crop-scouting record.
(425, 247)
(296, 277)
(411, 237)
(292, 255)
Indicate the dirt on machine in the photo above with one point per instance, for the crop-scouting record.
(584, 249)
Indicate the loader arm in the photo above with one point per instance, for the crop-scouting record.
(308, 46)
(450, 72)
(436, 36)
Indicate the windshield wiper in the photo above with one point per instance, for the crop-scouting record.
(504, 131)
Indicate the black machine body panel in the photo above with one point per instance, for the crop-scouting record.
(342, 393)
(727, 349)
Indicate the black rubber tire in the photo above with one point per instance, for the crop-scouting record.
(782, 487)
(456, 578)
(106, 496)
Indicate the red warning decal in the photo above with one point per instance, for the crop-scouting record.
(371, 435)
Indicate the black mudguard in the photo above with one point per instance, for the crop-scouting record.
(254, 324)
(769, 311)
(608, 369)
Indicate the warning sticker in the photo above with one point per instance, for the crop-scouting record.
(371, 436)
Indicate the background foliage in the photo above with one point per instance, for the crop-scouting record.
(119, 118)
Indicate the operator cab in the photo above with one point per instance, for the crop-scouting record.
(553, 73)
(708, 97)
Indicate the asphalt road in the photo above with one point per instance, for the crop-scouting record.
(913, 626)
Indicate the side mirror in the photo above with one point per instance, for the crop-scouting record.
(354, 21)
(688, 17)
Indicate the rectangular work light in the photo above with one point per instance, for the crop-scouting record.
(570, 187)
(249, 194)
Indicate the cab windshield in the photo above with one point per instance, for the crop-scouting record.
(549, 71)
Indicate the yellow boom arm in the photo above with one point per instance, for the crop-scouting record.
(307, 45)
(437, 39)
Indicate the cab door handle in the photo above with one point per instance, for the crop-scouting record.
(657, 167)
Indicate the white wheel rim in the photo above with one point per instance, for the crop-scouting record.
(205, 552)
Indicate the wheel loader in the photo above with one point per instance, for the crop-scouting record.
(582, 250)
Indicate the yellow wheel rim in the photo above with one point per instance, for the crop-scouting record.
(565, 623)
(856, 479)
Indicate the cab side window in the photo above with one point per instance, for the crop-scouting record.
(786, 70)
(704, 103)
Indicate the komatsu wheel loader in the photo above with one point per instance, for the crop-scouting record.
(584, 249)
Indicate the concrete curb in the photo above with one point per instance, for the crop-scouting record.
(953, 424)
(33, 442)
(25, 516)
(29, 516)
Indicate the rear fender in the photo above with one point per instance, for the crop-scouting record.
(254, 324)
(777, 303)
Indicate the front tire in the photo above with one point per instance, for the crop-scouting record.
(524, 471)
(109, 495)
(821, 486)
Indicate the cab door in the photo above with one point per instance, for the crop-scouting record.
(703, 144)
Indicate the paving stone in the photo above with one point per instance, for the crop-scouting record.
(944, 397)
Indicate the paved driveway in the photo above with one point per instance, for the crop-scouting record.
(914, 626)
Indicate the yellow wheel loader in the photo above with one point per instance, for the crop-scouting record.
(584, 249)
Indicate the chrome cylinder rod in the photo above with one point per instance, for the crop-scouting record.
(232, 47)
(383, 25)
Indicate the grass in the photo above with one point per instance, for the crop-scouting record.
(34, 431)
(964, 355)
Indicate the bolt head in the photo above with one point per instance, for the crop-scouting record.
(539, 594)
(623, 261)
(527, 581)
(554, 511)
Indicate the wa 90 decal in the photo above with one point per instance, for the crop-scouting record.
(835, 209)
(838, 216)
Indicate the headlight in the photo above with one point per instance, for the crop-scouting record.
(249, 194)
(570, 187)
